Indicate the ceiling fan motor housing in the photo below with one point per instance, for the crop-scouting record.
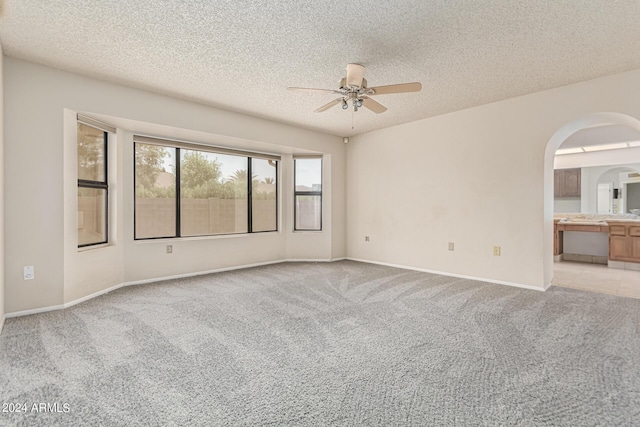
(343, 85)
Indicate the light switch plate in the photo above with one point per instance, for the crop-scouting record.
(29, 272)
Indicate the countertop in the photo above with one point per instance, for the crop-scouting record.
(593, 219)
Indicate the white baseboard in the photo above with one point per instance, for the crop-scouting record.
(444, 273)
(240, 267)
(200, 273)
(155, 279)
(34, 311)
(2, 323)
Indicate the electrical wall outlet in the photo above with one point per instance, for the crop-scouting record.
(29, 272)
(366, 238)
(169, 249)
(450, 246)
(496, 251)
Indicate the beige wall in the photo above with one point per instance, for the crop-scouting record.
(415, 187)
(42, 201)
(412, 188)
(2, 299)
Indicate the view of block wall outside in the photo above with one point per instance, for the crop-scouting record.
(308, 194)
(155, 189)
(214, 193)
(91, 216)
(92, 185)
(263, 195)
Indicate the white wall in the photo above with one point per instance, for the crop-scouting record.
(396, 194)
(567, 204)
(41, 186)
(89, 271)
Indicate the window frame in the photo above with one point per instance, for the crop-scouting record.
(297, 193)
(178, 146)
(99, 185)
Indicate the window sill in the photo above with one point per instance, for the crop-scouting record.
(92, 247)
(214, 237)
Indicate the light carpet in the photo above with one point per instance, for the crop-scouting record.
(341, 343)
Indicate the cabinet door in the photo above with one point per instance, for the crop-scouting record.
(571, 187)
(635, 248)
(557, 183)
(618, 248)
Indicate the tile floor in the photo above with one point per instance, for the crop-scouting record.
(597, 278)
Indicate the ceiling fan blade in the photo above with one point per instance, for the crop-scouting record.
(355, 74)
(399, 88)
(307, 89)
(373, 105)
(328, 105)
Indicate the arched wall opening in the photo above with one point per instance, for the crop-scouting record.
(556, 140)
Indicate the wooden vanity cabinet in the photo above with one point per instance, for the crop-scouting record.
(624, 242)
(557, 239)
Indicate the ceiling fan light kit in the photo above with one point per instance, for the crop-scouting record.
(353, 89)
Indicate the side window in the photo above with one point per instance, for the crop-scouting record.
(93, 191)
(308, 194)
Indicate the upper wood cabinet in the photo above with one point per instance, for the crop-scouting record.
(566, 182)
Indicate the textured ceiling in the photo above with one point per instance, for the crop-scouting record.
(242, 54)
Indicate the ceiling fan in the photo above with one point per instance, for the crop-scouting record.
(353, 88)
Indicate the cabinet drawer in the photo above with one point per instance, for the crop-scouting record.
(634, 230)
(617, 230)
(575, 227)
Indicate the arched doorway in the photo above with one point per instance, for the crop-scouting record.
(593, 120)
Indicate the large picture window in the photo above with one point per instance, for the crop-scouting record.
(188, 190)
(308, 194)
(93, 191)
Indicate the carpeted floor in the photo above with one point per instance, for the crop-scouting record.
(341, 343)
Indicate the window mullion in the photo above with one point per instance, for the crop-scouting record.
(249, 197)
(178, 203)
(92, 184)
